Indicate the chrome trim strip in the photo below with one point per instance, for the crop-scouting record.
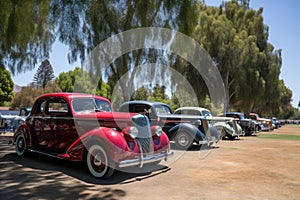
(148, 159)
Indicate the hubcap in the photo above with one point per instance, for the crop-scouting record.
(97, 160)
(183, 140)
(21, 144)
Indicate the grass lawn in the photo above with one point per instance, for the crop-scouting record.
(280, 136)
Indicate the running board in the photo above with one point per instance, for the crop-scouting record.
(45, 153)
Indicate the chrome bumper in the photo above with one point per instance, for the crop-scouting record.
(209, 140)
(148, 159)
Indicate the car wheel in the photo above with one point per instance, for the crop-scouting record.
(230, 137)
(183, 140)
(20, 145)
(257, 129)
(98, 162)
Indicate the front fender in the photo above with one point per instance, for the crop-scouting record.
(214, 133)
(192, 130)
(25, 130)
(113, 140)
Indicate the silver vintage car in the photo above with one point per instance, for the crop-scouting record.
(227, 126)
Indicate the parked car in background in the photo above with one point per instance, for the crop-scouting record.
(10, 120)
(276, 123)
(249, 126)
(226, 125)
(25, 111)
(184, 130)
(266, 124)
(82, 127)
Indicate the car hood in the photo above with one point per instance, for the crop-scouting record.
(182, 118)
(220, 119)
(264, 119)
(107, 119)
(106, 115)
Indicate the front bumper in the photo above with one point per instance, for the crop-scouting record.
(209, 140)
(147, 159)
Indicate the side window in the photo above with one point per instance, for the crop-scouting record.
(41, 106)
(103, 105)
(192, 112)
(185, 112)
(140, 109)
(178, 112)
(57, 106)
(252, 117)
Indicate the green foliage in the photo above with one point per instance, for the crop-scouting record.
(43, 75)
(28, 94)
(233, 34)
(141, 94)
(237, 40)
(6, 86)
(78, 80)
(280, 137)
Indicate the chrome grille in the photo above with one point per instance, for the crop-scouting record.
(144, 138)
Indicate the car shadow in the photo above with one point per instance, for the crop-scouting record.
(194, 147)
(79, 171)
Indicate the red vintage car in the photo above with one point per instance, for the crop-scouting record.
(82, 127)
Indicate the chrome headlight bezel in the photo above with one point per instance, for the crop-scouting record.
(158, 131)
(133, 132)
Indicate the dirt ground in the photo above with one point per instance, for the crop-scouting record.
(248, 168)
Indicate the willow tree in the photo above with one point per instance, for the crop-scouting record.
(85, 24)
(26, 34)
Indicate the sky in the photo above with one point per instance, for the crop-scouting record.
(284, 33)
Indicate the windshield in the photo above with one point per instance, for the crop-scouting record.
(242, 116)
(206, 113)
(90, 105)
(162, 109)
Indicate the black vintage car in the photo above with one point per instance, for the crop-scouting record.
(249, 126)
(183, 129)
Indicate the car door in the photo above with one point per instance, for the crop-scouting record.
(53, 124)
(61, 133)
(39, 124)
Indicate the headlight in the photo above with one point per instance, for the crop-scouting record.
(158, 131)
(198, 123)
(133, 132)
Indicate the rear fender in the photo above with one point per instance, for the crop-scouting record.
(225, 127)
(192, 130)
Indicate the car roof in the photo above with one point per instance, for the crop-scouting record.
(69, 95)
(150, 103)
(237, 113)
(192, 108)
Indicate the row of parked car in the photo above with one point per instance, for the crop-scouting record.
(82, 127)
